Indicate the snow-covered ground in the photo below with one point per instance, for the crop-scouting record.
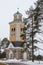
(32, 63)
(23, 62)
(10, 61)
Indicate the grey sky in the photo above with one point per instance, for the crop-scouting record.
(7, 9)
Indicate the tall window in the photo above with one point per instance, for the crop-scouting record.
(13, 31)
(10, 55)
(22, 30)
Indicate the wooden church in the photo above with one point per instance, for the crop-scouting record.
(16, 29)
(15, 48)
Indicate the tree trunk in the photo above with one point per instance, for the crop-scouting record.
(32, 43)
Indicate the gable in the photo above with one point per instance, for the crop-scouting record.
(10, 45)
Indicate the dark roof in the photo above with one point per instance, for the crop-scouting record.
(16, 44)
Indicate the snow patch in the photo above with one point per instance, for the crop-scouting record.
(10, 61)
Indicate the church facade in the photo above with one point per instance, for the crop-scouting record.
(17, 40)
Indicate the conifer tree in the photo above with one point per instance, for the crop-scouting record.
(36, 15)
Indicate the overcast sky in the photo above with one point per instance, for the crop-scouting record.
(7, 9)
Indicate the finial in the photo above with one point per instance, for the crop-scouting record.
(18, 11)
(17, 8)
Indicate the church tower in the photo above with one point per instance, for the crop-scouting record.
(16, 29)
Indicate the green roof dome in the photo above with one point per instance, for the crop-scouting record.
(18, 12)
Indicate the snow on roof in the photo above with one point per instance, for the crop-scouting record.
(10, 45)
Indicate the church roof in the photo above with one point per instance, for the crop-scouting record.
(13, 45)
(18, 12)
(10, 45)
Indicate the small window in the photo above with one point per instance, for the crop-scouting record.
(13, 32)
(12, 29)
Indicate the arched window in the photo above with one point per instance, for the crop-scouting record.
(22, 30)
(12, 29)
(13, 32)
(10, 54)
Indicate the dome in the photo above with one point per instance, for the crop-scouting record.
(17, 16)
(17, 13)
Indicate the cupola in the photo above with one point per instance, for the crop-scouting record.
(17, 16)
